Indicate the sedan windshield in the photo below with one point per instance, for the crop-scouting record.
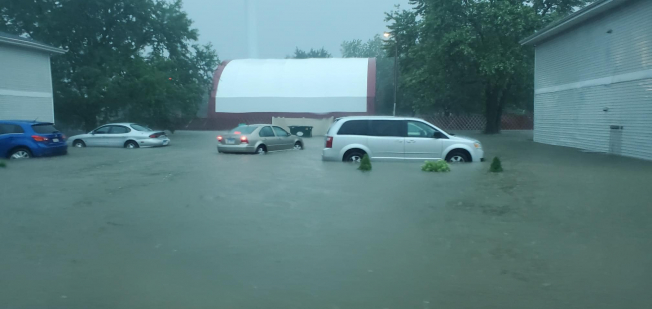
(244, 130)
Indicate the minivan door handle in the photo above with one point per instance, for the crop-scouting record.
(411, 141)
(399, 141)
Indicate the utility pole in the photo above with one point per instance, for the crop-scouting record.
(395, 74)
(388, 35)
(252, 31)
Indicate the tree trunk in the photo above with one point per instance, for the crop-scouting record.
(493, 111)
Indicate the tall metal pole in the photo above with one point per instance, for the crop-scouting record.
(252, 28)
(395, 72)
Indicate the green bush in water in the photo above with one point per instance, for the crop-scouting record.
(496, 166)
(365, 164)
(439, 166)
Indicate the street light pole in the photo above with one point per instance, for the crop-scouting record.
(387, 35)
(395, 75)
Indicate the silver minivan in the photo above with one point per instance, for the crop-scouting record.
(396, 138)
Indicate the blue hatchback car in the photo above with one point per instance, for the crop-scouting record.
(21, 139)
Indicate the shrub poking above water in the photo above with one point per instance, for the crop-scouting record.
(3, 164)
(496, 166)
(437, 166)
(365, 164)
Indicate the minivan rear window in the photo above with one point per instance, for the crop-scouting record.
(330, 129)
(354, 127)
(45, 128)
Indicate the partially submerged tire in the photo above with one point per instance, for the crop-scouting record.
(131, 145)
(457, 156)
(20, 153)
(353, 156)
(78, 143)
(298, 146)
(261, 150)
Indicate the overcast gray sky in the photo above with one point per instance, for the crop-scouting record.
(283, 25)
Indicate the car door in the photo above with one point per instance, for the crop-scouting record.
(269, 139)
(387, 139)
(420, 141)
(284, 140)
(98, 137)
(117, 136)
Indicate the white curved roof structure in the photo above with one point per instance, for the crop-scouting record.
(294, 86)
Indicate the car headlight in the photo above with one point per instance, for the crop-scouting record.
(477, 145)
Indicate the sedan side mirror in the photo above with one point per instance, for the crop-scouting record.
(439, 135)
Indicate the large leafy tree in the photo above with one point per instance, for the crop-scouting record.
(127, 59)
(459, 53)
(373, 48)
(312, 53)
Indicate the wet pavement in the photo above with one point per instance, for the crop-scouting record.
(185, 227)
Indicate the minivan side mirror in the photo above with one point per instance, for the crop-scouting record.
(439, 135)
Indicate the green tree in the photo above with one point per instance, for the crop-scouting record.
(117, 48)
(312, 53)
(373, 48)
(458, 53)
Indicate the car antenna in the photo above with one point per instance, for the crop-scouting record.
(35, 119)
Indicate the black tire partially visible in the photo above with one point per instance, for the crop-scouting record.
(78, 143)
(353, 156)
(457, 156)
(132, 144)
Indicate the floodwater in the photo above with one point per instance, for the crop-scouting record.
(185, 227)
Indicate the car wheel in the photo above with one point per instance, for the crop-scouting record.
(261, 150)
(131, 145)
(20, 153)
(298, 146)
(457, 157)
(354, 156)
(78, 143)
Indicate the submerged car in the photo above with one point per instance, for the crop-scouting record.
(127, 135)
(22, 139)
(258, 138)
(396, 138)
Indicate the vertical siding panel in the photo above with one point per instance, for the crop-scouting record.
(25, 70)
(575, 117)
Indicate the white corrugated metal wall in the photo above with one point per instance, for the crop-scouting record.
(25, 84)
(603, 63)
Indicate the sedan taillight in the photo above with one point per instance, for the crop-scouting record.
(329, 142)
(244, 140)
(39, 138)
